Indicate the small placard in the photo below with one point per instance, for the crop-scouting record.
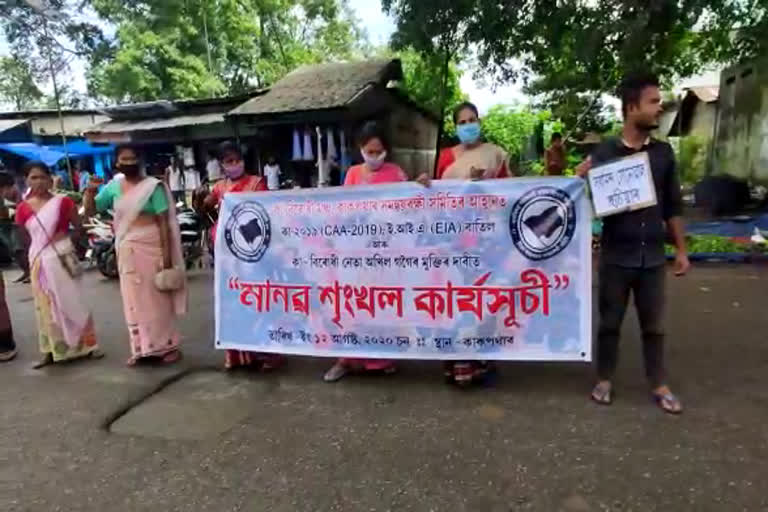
(622, 185)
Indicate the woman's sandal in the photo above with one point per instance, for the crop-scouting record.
(8, 356)
(602, 394)
(95, 355)
(668, 403)
(172, 357)
(45, 361)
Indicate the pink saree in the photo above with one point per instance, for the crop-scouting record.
(149, 313)
(65, 326)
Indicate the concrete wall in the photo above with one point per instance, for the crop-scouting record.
(703, 120)
(741, 141)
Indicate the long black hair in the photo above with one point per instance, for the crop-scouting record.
(372, 130)
(464, 105)
(36, 164)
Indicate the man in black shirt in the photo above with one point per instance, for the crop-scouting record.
(632, 245)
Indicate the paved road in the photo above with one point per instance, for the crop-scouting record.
(288, 442)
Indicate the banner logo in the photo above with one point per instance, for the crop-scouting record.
(248, 231)
(542, 223)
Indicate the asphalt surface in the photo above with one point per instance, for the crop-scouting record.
(201, 440)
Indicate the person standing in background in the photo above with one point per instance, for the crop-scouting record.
(18, 241)
(272, 172)
(632, 258)
(175, 179)
(83, 178)
(191, 183)
(7, 344)
(554, 156)
(213, 168)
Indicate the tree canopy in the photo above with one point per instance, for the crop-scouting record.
(197, 48)
(17, 85)
(585, 47)
(143, 50)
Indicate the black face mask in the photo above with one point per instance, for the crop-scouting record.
(130, 169)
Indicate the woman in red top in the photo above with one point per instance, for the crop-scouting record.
(375, 169)
(65, 324)
(236, 180)
(472, 159)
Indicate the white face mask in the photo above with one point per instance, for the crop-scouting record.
(374, 162)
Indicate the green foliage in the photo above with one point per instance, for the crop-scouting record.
(199, 48)
(578, 112)
(511, 127)
(691, 158)
(698, 244)
(17, 85)
(53, 29)
(424, 80)
(585, 47)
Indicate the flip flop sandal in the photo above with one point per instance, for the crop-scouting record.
(602, 395)
(666, 402)
(95, 355)
(8, 356)
(172, 357)
(46, 361)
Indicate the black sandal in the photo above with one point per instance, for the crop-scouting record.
(46, 361)
(602, 394)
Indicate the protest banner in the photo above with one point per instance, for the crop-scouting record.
(497, 269)
(622, 185)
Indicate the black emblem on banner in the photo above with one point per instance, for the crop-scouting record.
(542, 222)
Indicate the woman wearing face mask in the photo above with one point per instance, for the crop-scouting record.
(473, 159)
(236, 180)
(64, 323)
(375, 169)
(148, 241)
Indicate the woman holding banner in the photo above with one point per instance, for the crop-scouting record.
(472, 159)
(375, 169)
(237, 180)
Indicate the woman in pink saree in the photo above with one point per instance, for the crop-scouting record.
(64, 323)
(148, 241)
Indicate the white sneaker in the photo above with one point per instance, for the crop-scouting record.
(335, 373)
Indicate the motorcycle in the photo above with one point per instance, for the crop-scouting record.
(101, 246)
(191, 229)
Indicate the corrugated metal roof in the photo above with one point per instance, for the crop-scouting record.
(7, 124)
(705, 94)
(156, 124)
(322, 86)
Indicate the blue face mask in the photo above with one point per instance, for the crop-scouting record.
(468, 133)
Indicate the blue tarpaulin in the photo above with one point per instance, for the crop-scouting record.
(50, 155)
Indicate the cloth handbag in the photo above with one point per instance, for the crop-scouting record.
(170, 280)
(68, 260)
